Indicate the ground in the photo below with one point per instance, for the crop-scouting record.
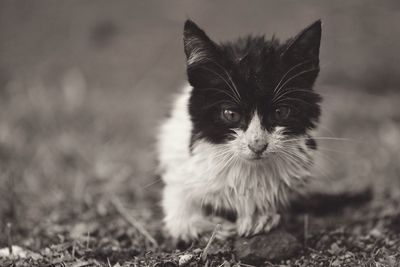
(81, 100)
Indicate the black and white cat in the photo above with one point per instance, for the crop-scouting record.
(238, 139)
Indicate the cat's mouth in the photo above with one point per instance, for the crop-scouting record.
(257, 157)
(254, 157)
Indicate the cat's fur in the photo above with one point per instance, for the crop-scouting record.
(226, 153)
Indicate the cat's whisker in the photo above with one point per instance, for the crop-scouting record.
(223, 92)
(290, 90)
(227, 163)
(298, 74)
(288, 159)
(320, 138)
(293, 99)
(229, 77)
(222, 78)
(219, 162)
(216, 103)
(320, 152)
(222, 156)
(308, 162)
(318, 170)
(329, 131)
(152, 183)
(284, 76)
(295, 76)
(293, 157)
(333, 150)
(327, 157)
(294, 148)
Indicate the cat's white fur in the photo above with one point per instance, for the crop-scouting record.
(225, 176)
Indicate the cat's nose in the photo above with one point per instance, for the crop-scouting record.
(258, 147)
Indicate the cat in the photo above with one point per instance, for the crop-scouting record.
(239, 138)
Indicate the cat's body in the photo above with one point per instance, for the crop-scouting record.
(237, 140)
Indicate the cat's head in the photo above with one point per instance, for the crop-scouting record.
(253, 95)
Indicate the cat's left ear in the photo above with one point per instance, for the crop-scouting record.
(198, 46)
(305, 46)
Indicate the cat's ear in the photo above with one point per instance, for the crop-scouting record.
(198, 46)
(305, 46)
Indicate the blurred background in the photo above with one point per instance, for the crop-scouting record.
(84, 85)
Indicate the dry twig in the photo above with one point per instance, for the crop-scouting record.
(9, 238)
(305, 229)
(132, 221)
(213, 235)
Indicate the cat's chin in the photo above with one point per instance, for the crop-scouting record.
(254, 158)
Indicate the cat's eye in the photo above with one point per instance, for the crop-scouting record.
(282, 113)
(231, 115)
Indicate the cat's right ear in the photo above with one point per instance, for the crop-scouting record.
(305, 46)
(199, 48)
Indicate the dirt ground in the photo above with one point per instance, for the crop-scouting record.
(84, 85)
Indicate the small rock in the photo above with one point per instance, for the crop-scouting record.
(274, 246)
(376, 233)
(334, 249)
(313, 255)
(197, 251)
(185, 259)
(336, 262)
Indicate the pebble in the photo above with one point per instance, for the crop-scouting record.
(375, 233)
(197, 251)
(274, 246)
(185, 259)
(334, 249)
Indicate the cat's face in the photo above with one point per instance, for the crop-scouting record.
(252, 96)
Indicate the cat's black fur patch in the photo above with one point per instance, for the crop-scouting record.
(325, 203)
(255, 66)
(230, 215)
(311, 143)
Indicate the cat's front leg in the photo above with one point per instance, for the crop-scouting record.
(183, 219)
(245, 219)
(227, 229)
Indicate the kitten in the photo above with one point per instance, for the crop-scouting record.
(238, 139)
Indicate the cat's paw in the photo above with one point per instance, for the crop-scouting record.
(244, 226)
(227, 230)
(266, 223)
(189, 229)
(261, 224)
(183, 231)
(184, 234)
